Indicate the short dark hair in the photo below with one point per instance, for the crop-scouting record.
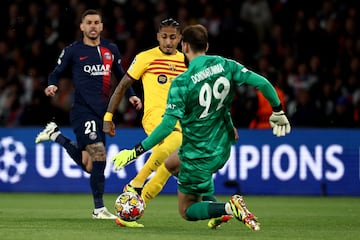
(196, 36)
(90, 12)
(169, 22)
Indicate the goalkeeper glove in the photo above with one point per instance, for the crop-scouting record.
(279, 123)
(126, 156)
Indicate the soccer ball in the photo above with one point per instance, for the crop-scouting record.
(129, 206)
(12, 160)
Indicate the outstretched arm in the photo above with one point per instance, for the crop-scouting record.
(278, 120)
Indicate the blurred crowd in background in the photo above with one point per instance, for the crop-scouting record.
(310, 50)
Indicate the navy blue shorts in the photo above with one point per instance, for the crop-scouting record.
(87, 127)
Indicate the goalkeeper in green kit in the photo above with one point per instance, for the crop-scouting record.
(200, 98)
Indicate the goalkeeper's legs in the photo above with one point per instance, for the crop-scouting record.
(192, 208)
(217, 221)
(172, 163)
(159, 153)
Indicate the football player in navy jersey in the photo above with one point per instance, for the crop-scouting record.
(92, 61)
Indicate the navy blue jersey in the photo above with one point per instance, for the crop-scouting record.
(91, 67)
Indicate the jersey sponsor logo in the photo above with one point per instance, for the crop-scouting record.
(83, 58)
(170, 106)
(162, 79)
(98, 69)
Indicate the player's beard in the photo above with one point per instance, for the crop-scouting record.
(168, 50)
(92, 37)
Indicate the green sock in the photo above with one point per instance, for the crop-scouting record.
(210, 198)
(216, 209)
(204, 210)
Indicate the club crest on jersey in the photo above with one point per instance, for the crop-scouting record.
(162, 79)
(93, 135)
(107, 56)
(172, 67)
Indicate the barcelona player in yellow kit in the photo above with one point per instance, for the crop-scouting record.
(156, 68)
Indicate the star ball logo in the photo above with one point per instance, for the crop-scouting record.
(12, 160)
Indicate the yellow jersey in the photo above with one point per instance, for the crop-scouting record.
(156, 70)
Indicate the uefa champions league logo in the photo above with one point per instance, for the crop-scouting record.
(12, 160)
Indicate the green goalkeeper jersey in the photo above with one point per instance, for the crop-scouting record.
(201, 99)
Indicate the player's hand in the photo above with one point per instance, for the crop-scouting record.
(136, 102)
(123, 158)
(126, 156)
(51, 90)
(109, 128)
(279, 123)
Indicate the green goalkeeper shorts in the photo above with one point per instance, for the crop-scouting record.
(195, 175)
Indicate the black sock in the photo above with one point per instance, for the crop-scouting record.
(97, 182)
(72, 149)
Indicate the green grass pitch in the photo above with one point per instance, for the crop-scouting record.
(68, 216)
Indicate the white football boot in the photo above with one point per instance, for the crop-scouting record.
(102, 213)
(50, 132)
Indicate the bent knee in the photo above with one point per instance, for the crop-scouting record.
(172, 163)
